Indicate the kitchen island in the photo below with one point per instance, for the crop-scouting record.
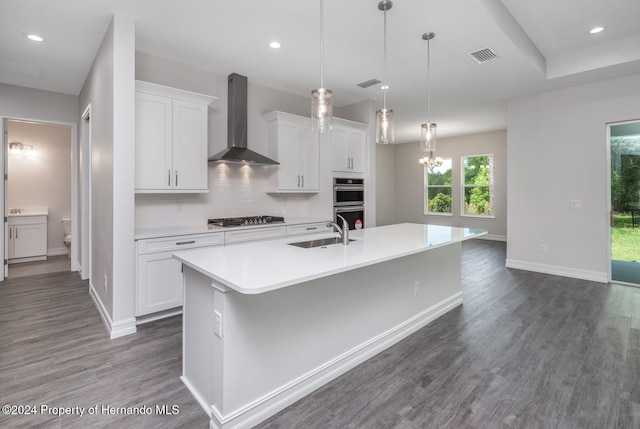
(266, 323)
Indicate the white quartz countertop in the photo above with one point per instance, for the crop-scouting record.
(20, 212)
(264, 266)
(146, 233)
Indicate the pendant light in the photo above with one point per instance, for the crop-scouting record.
(430, 161)
(428, 135)
(384, 116)
(321, 104)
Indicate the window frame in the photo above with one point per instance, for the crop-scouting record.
(425, 207)
(490, 187)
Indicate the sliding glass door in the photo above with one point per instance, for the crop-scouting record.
(625, 202)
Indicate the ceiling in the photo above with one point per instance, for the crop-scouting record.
(540, 45)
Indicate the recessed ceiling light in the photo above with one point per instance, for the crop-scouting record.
(383, 87)
(596, 30)
(275, 45)
(34, 37)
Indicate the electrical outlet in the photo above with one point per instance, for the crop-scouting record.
(543, 248)
(576, 204)
(218, 329)
(105, 281)
(179, 206)
(416, 288)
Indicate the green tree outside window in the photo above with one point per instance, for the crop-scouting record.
(478, 185)
(438, 188)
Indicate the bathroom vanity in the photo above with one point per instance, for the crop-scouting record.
(27, 234)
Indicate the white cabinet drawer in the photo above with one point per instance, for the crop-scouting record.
(308, 228)
(244, 235)
(180, 242)
(27, 220)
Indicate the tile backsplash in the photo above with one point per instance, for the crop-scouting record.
(234, 190)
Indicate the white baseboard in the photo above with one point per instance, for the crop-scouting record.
(159, 315)
(117, 329)
(492, 237)
(595, 276)
(279, 399)
(58, 251)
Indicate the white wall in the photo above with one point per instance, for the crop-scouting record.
(409, 182)
(25, 103)
(234, 190)
(110, 89)
(385, 184)
(42, 178)
(557, 153)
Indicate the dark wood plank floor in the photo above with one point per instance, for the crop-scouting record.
(526, 350)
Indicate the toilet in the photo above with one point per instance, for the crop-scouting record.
(66, 225)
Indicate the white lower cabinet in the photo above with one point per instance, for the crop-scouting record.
(256, 234)
(159, 275)
(309, 228)
(27, 239)
(159, 285)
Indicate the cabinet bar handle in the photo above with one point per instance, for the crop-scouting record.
(183, 243)
(312, 228)
(16, 233)
(168, 177)
(303, 180)
(298, 180)
(10, 229)
(176, 177)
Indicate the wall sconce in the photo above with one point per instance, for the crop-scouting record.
(17, 148)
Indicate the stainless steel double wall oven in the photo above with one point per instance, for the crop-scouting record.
(348, 201)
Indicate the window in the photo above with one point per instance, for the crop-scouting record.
(438, 188)
(478, 185)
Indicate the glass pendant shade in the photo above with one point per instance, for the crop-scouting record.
(384, 126)
(321, 109)
(428, 137)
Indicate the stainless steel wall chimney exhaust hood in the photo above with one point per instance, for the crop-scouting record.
(237, 151)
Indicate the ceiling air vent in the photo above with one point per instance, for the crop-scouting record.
(483, 55)
(368, 83)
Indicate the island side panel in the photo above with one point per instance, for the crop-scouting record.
(281, 345)
(201, 348)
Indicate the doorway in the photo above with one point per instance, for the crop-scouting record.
(624, 151)
(38, 197)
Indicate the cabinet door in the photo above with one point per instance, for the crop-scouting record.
(29, 240)
(356, 149)
(189, 145)
(309, 159)
(158, 284)
(348, 149)
(288, 156)
(153, 142)
(340, 159)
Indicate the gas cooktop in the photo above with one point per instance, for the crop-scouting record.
(244, 221)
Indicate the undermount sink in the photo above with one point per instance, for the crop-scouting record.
(318, 243)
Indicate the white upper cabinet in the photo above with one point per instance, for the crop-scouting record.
(348, 146)
(171, 139)
(291, 143)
